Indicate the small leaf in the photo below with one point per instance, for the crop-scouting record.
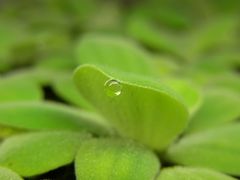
(114, 52)
(19, 89)
(65, 88)
(36, 153)
(100, 159)
(137, 107)
(185, 173)
(7, 174)
(49, 116)
(219, 107)
(217, 148)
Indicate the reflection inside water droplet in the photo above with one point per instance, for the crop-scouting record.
(113, 88)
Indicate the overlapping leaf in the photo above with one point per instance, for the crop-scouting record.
(36, 153)
(183, 173)
(7, 174)
(49, 116)
(219, 107)
(65, 88)
(114, 52)
(117, 159)
(19, 89)
(137, 107)
(217, 148)
(144, 31)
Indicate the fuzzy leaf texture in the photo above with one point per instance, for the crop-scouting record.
(37, 153)
(101, 159)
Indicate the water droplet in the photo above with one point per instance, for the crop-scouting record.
(113, 88)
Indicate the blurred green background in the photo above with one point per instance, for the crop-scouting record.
(44, 32)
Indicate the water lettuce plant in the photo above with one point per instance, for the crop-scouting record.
(122, 90)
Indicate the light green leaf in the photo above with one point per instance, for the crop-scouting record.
(6, 131)
(190, 93)
(137, 107)
(114, 52)
(219, 107)
(185, 173)
(66, 89)
(19, 89)
(100, 159)
(7, 174)
(217, 148)
(36, 153)
(49, 116)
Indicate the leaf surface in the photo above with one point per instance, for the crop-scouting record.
(217, 148)
(114, 52)
(36, 153)
(219, 106)
(185, 173)
(19, 89)
(137, 107)
(49, 116)
(7, 174)
(100, 159)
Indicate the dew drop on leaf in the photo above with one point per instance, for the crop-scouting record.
(113, 88)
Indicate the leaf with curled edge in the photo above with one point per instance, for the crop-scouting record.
(137, 107)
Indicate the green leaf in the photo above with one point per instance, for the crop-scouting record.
(19, 89)
(36, 153)
(190, 93)
(7, 174)
(228, 81)
(61, 63)
(114, 52)
(145, 31)
(219, 107)
(217, 149)
(6, 131)
(100, 159)
(66, 89)
(49, 116)
(217, 32)
(137, 107)
(185, 173)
